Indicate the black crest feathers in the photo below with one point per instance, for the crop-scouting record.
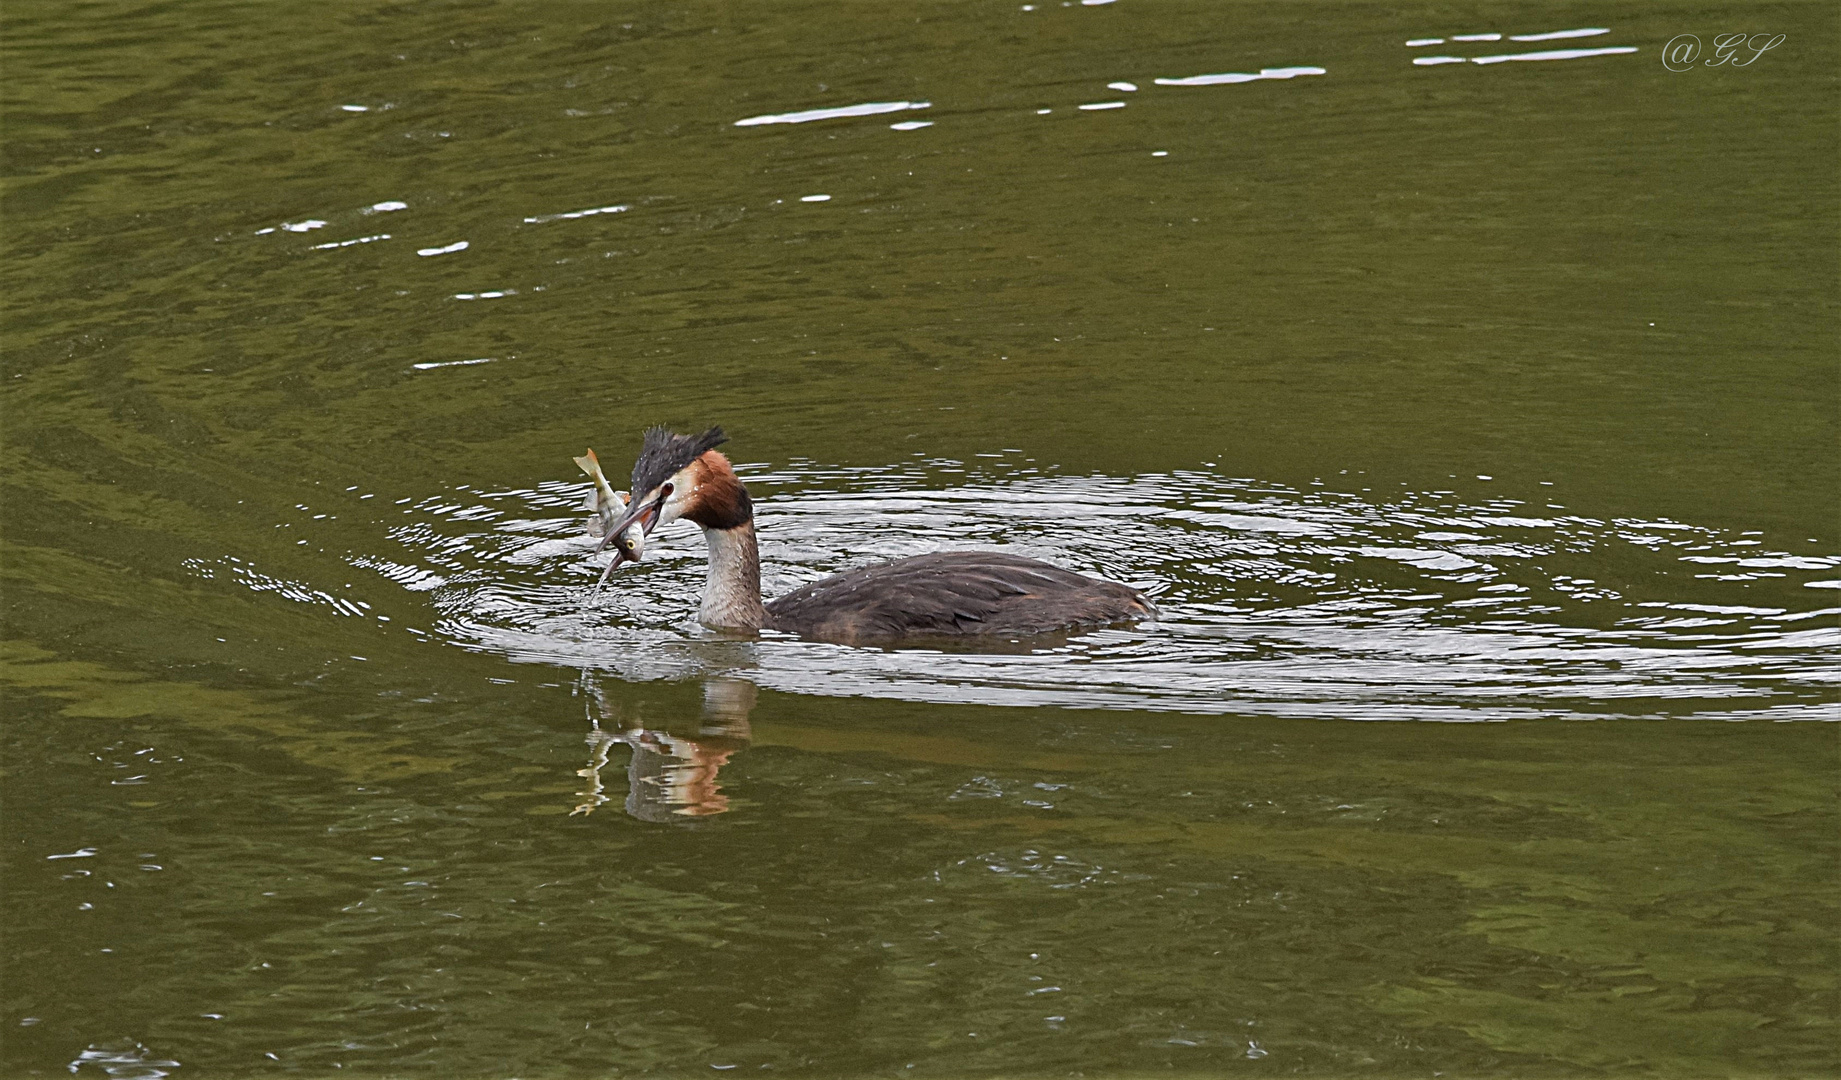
(664, 453)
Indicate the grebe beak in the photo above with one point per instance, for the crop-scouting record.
(619, 557)
(645, 514)
(627, 548)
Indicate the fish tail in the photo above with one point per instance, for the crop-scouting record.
(604, 491)
(591, 465)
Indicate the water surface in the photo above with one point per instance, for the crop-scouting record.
(1471, 422)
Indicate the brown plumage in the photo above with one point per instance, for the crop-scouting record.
(948, 594)
(953, 594)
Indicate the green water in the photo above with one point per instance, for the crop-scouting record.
(1494, 401)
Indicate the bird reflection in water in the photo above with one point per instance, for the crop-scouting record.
(672, 772)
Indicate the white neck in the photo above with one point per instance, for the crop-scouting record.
(732, 596)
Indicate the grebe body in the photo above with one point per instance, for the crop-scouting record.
(953, 594)
(947, 594)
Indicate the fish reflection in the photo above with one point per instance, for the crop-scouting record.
(672, 773)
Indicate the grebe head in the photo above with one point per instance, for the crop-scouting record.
(682, 476)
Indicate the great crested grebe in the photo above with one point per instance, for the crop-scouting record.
(947, 594)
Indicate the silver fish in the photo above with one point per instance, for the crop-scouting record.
(608, 505)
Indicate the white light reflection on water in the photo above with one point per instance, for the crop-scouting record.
(123, 1059)
(431, 365)
(870, 108)
(1274, 601)
(1552, 35)
(1239, 77)
(1554, 54)
(349, 243)
(1551, 54)
(1590, 31)
(574, 214)
(294, 226)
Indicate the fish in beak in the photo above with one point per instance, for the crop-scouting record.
(640, 517)
(667, 472)
(613, 522)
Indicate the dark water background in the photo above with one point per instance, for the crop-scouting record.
(1497, 401)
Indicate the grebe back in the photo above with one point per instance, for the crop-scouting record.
(947, 594)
